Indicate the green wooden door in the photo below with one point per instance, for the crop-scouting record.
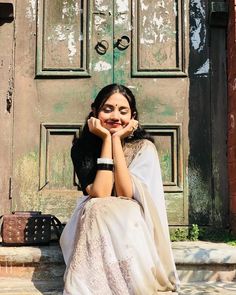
(65, 52)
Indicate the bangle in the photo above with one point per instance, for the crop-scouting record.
(102, 166)
(105, 161)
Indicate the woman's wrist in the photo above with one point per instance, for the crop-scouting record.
(116, 137)
(106, 137)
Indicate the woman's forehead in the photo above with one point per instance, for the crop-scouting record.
(117, 99)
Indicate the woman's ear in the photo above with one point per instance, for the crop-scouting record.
(134, 115)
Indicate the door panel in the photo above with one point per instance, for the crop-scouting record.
(154, 67)
(51, 108)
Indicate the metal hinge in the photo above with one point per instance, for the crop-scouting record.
(218, 14)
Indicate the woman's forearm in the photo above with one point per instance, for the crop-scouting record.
(103, 182)
(123, 183)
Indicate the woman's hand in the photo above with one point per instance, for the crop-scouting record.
(96, 128)
(127, 130)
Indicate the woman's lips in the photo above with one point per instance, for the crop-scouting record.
(114, 124)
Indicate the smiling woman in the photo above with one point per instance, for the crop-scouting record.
(117, 241)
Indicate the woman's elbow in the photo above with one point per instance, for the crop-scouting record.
(99, 193)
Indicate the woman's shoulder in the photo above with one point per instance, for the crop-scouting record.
(147, 144)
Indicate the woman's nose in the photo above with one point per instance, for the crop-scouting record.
(115, 115)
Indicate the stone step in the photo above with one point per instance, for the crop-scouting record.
(205, 261)
(36, 263)
(195, 261)
(16, 286)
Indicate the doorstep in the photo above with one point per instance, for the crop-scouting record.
(195, 261)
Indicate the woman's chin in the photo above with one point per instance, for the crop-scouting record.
(114, 130)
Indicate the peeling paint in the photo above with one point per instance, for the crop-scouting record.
(59, 32)
(198, 30)
(161, 3)
(175, 8)
(146, 41)
(123, 19)
(102, 66)
(31, 10)
(143, 6)
(71, 45)
(69, 9)
(122, 6)
(158, 25)
(204, 69)
(144, 20)
(98, 2)
(99, 23)
(158, 21)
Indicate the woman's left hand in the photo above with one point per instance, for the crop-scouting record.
(127, 130)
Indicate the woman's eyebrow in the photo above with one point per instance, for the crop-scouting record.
(124, 107)
(108, 105)
(112, 106)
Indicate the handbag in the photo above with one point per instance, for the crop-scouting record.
(25, 228)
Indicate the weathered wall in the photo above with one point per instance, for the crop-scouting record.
(232, 112)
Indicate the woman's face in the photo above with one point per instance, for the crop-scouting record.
(115, 114)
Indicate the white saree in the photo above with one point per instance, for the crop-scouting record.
(120, 246)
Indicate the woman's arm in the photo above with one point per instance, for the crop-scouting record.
(123, 183)
(103, 182)
(122, 178)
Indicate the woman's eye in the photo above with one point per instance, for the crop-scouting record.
(124, 112)
(107, 110)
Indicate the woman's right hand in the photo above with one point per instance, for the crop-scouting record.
(96, 128)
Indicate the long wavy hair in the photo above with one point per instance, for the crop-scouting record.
(98, 103)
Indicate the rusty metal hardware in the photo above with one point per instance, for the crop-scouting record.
(102, 47)
(99, 12)
(123, 42)
(102, 13)
(218, 14)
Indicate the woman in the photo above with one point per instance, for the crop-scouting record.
(117, 240)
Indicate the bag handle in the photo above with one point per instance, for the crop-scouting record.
(27, 212)
(57, 226)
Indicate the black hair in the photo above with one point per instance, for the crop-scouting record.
(87, 148)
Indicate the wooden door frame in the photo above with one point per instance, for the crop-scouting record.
(7, 31)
